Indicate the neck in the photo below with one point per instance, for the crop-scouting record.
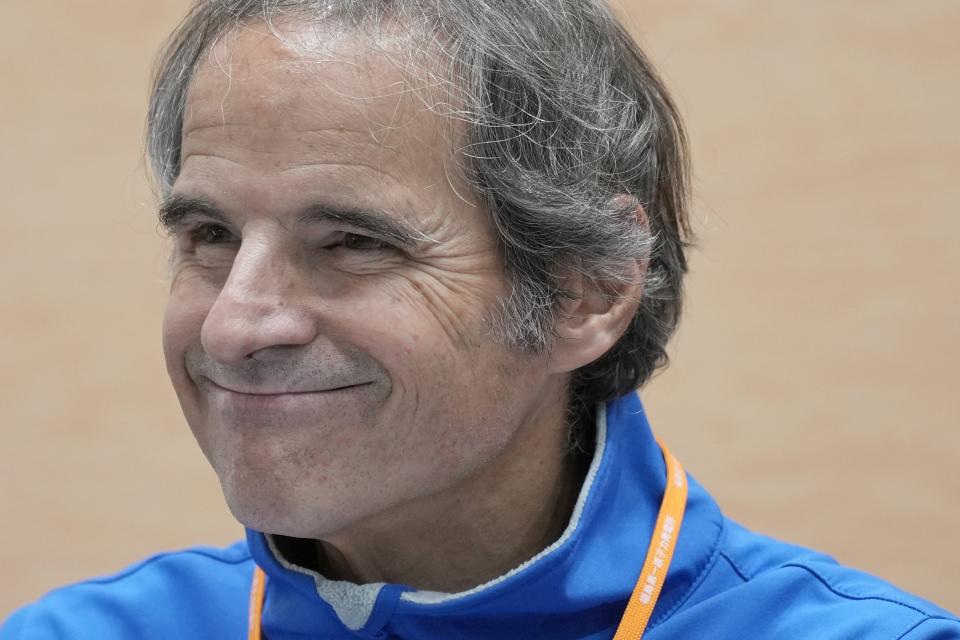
(471, 533)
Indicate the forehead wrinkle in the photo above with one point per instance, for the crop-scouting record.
(197, 141)
(297, 165)
(190, 129)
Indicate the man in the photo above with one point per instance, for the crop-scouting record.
(423, 251)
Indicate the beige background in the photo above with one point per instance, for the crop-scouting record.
(814, 388)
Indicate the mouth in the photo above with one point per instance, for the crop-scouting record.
(267, 393)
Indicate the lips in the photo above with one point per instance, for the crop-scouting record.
(281, 391)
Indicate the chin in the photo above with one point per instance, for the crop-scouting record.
(258, 507)
(267, 518)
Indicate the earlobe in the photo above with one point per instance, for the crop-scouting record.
(595, 314)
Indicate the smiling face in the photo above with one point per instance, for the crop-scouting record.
(328, 329)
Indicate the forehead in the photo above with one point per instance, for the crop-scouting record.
(299, 86)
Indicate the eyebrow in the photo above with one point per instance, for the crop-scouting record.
(175, 211)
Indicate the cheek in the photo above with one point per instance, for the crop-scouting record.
(413, 342)
(426, 312)
(183, 319)
(445, 365)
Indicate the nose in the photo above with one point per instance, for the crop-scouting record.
(261, 305)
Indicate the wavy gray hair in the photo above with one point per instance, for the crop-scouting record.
(567, 128)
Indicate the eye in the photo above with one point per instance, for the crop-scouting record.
(358, 242)
(211, 233)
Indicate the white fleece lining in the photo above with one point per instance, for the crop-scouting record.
(353, 603)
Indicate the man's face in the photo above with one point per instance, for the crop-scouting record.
(328, 329)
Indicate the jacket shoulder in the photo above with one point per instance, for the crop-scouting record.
(200, 592)
(763, 588)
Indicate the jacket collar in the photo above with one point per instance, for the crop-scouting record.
(582, 581)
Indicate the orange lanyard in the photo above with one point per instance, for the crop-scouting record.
(256, 603)
(659, 553)
(645, 594)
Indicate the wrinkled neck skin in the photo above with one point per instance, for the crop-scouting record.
(472, 532)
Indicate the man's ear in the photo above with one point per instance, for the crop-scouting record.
(596, 314)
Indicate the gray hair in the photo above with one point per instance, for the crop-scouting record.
(567, 129)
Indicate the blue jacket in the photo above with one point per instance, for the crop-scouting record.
(725, 582)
